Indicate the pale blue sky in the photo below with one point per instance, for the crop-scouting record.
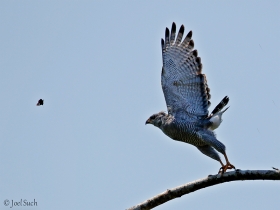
(97, 65)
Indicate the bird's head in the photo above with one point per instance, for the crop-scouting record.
(157, 119)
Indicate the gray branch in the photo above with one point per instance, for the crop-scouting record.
(211, 180)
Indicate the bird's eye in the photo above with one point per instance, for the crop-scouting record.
(153, 117)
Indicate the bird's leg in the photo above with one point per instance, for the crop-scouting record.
(227, 166)
(221, 167)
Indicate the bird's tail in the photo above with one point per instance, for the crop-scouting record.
(215, 117)
(220, 106)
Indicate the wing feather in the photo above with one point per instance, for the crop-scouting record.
(173, 33)
(166, 38)
(180, 34)
(185, 88)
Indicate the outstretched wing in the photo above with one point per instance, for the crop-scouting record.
(185, 88)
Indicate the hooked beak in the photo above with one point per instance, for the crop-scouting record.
(148, 121)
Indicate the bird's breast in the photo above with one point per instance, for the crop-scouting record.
(183, 132)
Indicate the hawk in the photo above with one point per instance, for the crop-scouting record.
(187, 97)
(40, 102)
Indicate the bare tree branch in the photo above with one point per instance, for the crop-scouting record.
(211, 180)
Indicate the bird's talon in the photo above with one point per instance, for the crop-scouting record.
(226, 167)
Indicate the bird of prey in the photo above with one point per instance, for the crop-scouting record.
(187, 98)
(40, 102)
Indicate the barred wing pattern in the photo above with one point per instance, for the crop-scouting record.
(185, 88)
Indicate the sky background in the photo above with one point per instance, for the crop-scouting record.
(97, 65)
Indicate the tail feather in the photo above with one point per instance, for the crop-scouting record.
(220, 106)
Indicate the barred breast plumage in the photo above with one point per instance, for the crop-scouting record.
(180, 131)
